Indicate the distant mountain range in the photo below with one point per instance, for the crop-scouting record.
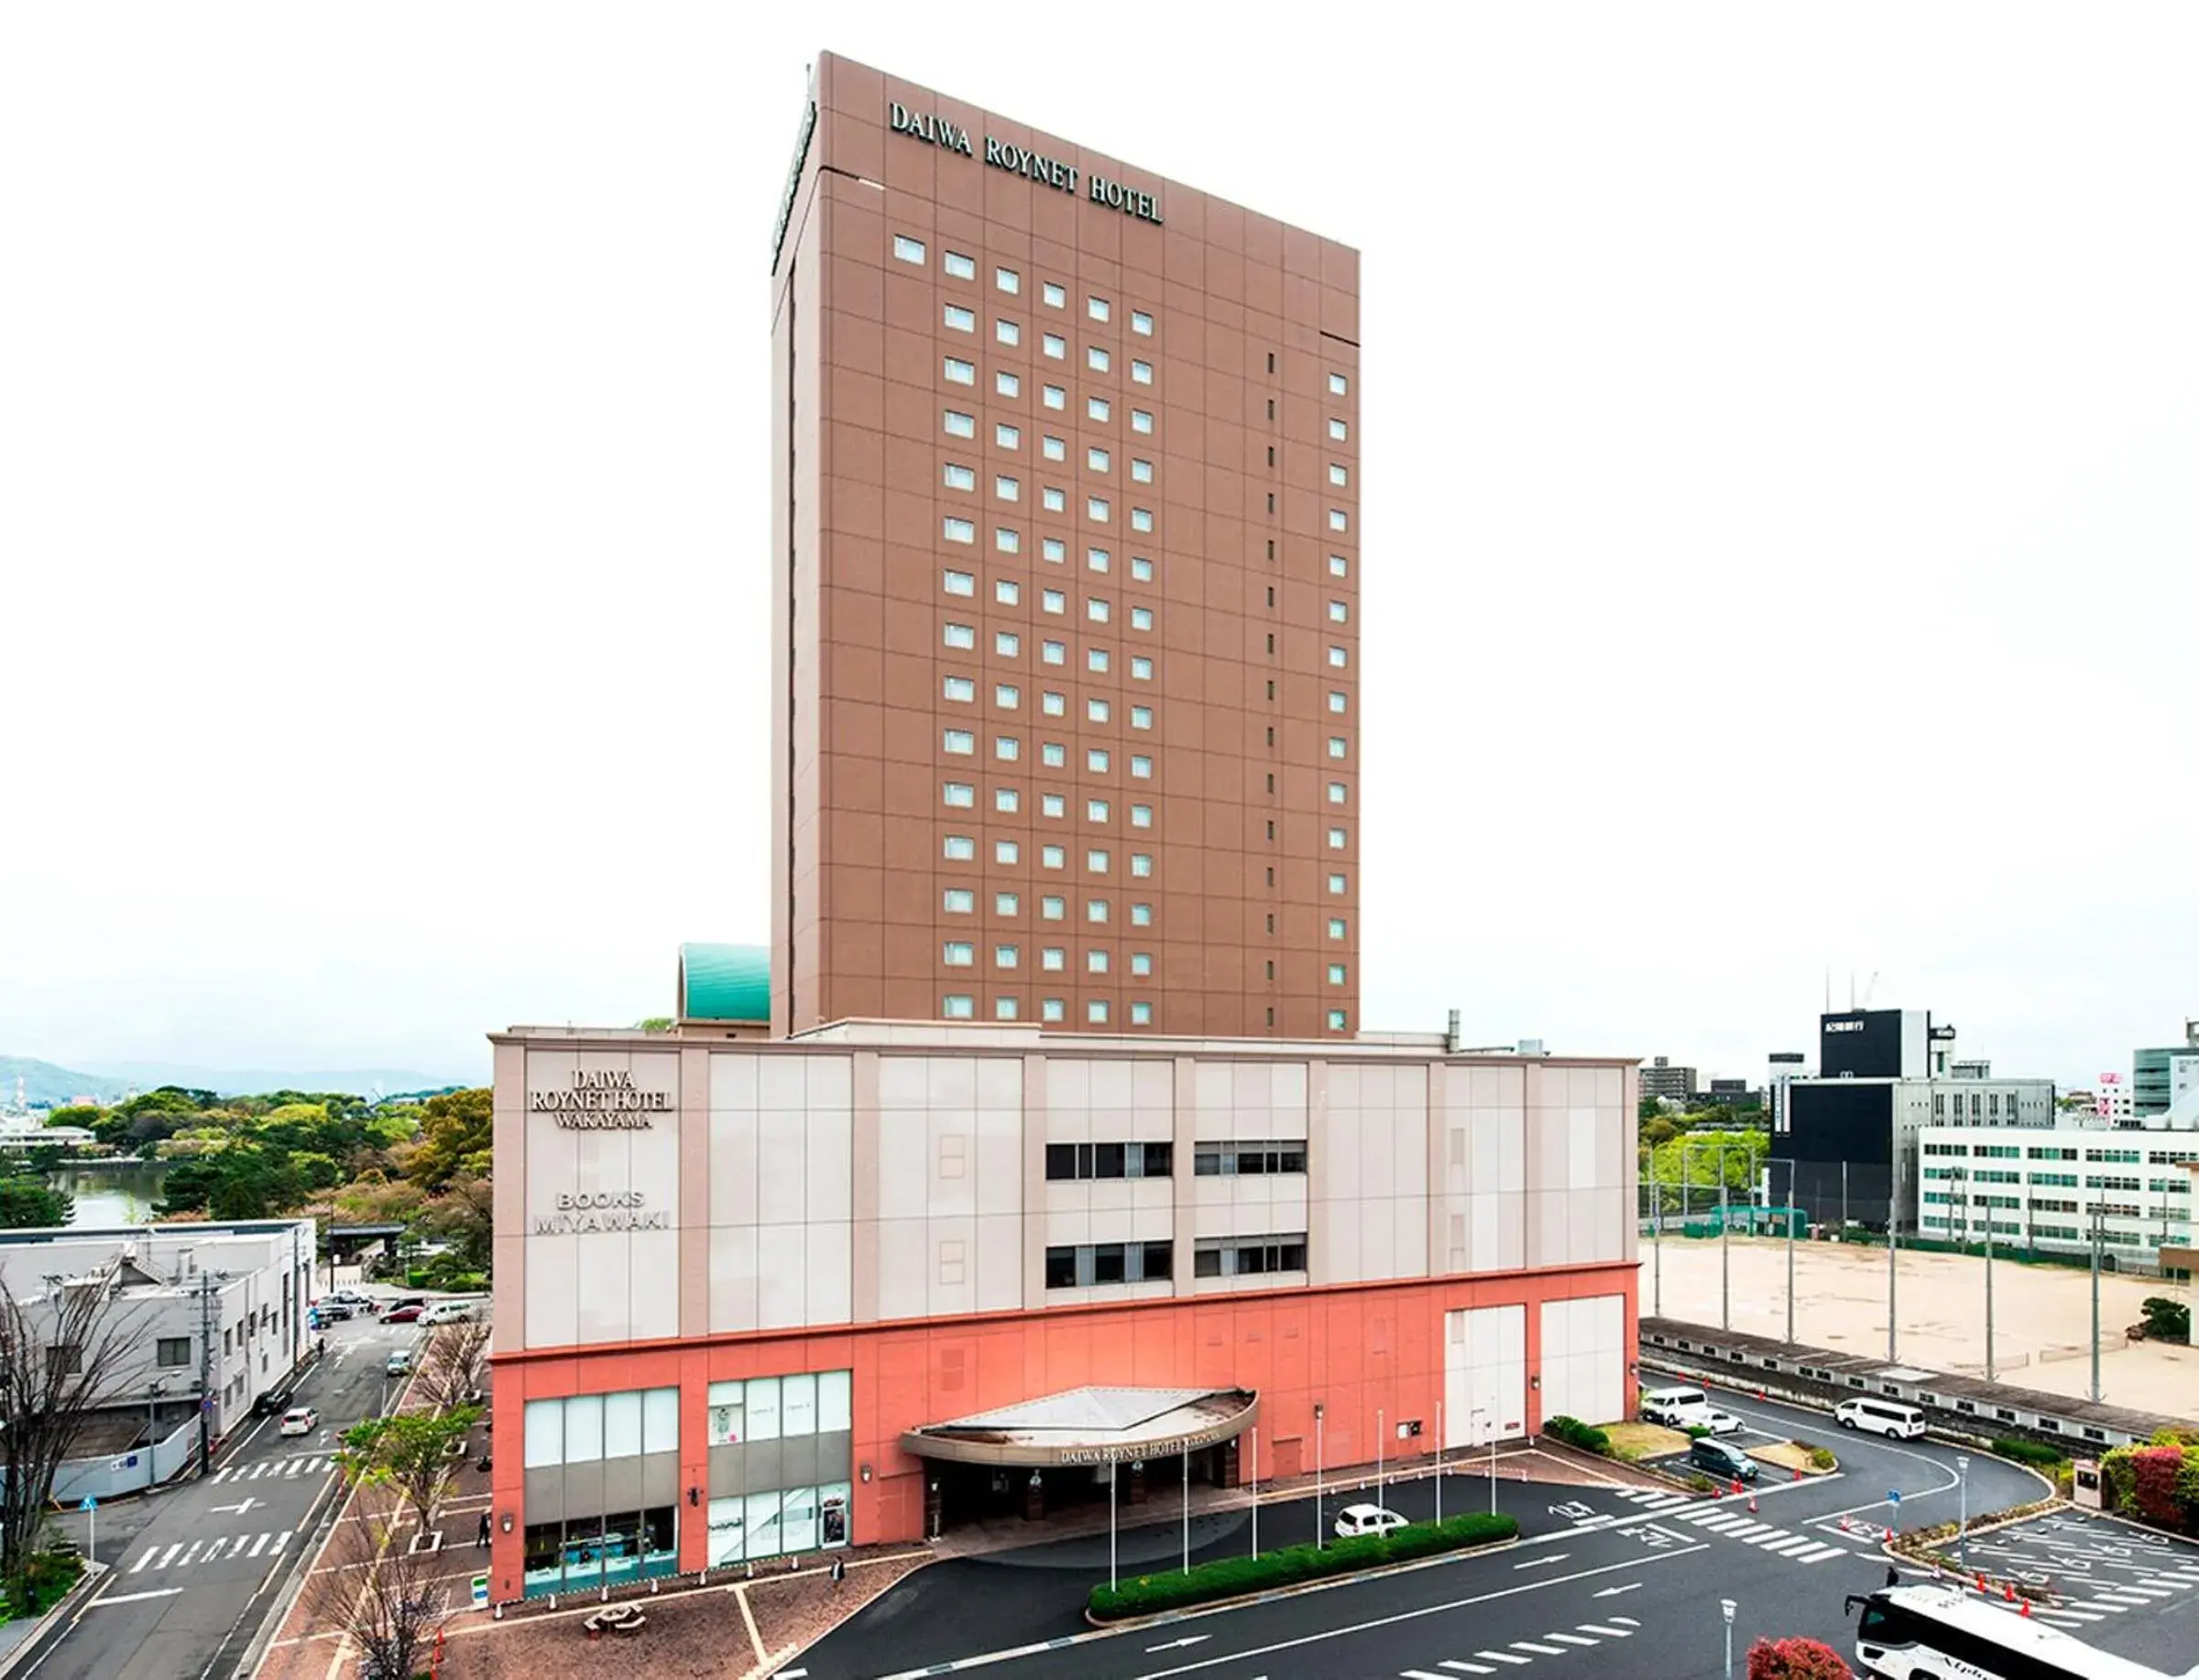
(43, 1082)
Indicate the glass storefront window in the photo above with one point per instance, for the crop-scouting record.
(660, 1419)
(583, 1428)
(545, 1434)
(764, 1411)
(798, 1406)
(601, 1551)
(763, 1525)
(798, 1521)
(836, 1402)
(832, 1513)
(622, 1424)
(726, 1421)
(728, 1522)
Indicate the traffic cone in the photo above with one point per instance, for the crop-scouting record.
(2008, 1591)
(1798, 1472)
(1736, 1484)
(1981, 1580)
(1752, 1504)
(2026, 1609)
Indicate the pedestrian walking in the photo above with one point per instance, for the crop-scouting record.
(840, 1570)
(481, 1539)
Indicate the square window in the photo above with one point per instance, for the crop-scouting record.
(1141, 569)
(1053, 653)
(1007, 383)
(1096, 862)
(1053, 704)
(1095, 1011)
(1006, 436)
(1140, 717)
(1141, 471)
(1094, 658)
(1140, 420)
(1054, 397)
(1007, 489)
(1336, 699)
(1054, 909)
(1141, 915)
(1141, 1015)
(1141, 766)
(1007, 696)
(958, 319)
(1054, 500)
(958, 266)
(958, 478)
(1140, 618)
(1095, 459)
(1054, 448)
(1336, 883)
(1098, 560)
(1140, 816)
(1338, 611)
(1096, 710)
(960, 849)
(1007, 800)
(1052, 805)
(1007, 643)
(1141, 668)
(1336, 927)
(1337, 657)
(1097, 308)
(1007, 748)
(1336, 747)
(1097, 407)
(1141, 963)
(1336, 792)
(1006, 904)
(1054, 346)
(1007, 280)
(960, 425)
(1007, 332)
(1007, 851)
(1096, 508)
(1007, 541)
(1057, 296)
(1006, 957)
(1054, 549)
(1140, 322)
(1140, 865)
(959, 901)
(1007, 591)
(1336, 1021)
(959, 531)
(959, 636)
(957, 741)
(958, 688)
(1337, 475)
(1339, 431)
(1097, 609)
(1338, 520)
(959, 1008)
(961, 372)
(957, 954)
(1337, 567)
(959, 583)
(1053, 857)
(1051, 1008)
(1338, 384)
(1095, 358)
(1141, 519)
(1003, 1008)
(1095, 811)
(1095, 759)
(1095, 962)
(1336, 840)
(909, 250)
(1052, 959)
(1142, 372)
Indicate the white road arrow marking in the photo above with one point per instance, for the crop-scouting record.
(1613, 1592)
(1537, 1562)
(134, 1598)
(245, 1506)
(1178, 1644)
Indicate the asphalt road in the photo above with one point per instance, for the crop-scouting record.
(1629, 1580)
(192, 1570)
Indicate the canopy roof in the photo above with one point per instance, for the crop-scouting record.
(1091, 1425)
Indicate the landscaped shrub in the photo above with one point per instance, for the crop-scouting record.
(1574, 1433)
(1795, 1659)
(2029, 1452)
(2154, 1472)
(2159, 1484)
(1822, 1459)
(2167, 1320)
(1227, 1577)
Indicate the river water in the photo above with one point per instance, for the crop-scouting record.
(111, 1194)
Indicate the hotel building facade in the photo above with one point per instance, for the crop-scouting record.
(1042, 1153)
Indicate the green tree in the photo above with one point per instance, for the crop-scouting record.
(463, 1215)
(408, 1452)
(455, 1131)
(83, 1115)
(1648, 1109)
(237, 1181)
(26, 1203)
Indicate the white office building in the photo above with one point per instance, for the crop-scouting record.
(2039, 1188)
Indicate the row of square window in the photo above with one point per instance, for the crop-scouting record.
(1009, 541)
(962, 848)
(1011, 385)
(1053, 959)
(1009, 802)
(1052, 907)
(1005, 488)
(1007, 697)
(1009, 748)
(1098, 709)
(961, 425)
(1009, 644)
(1008, 592)
(1010, 281)
(961, 1006)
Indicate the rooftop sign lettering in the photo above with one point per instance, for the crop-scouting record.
(1022, 160)
(601, 1101)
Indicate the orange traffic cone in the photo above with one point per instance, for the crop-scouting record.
(1736, 1484)
(1981, 1580)
(2026, 1609)
(1798, 1472)
(2008, 1591)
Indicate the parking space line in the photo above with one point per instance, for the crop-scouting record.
(1597, 1627)
(1571, 1639)
(1540, 1651)
(1459, 1665)
(1504, 1656)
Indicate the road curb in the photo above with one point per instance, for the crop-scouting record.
(68, 1603)
(1134, 1624)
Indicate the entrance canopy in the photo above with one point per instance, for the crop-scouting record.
(1093, 1426)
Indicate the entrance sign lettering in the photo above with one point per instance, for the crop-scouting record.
(605, 1101)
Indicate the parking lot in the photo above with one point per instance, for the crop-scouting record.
(2112, 1584)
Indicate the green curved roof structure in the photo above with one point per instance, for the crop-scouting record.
(725, 982)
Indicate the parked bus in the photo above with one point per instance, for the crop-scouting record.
(1937, 1633)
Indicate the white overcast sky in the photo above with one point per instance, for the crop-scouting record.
(1782, 438)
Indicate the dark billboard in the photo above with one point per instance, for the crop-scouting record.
(1860, 1044)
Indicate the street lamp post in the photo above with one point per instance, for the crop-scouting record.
(1114, 1478)
(1318, 1409)
(2099, 1232)
(1962, 1471)
(1187, 1458)
(1726, 1251)
(1438, 1464)
(1657, 1241)
(1256, 1489)
(1893, 1250)
(1726, 1606)
(1380, 1425)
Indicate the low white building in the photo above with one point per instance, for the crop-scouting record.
(211, 1310)
(2039, 1187)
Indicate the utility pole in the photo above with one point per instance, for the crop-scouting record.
(1893, 1252)
(1726, 1251)
(1656, 1241)
(206, 1302)
(1988, 1289)
(2099, 1210)
(1843, 1201)
(1790, 1250)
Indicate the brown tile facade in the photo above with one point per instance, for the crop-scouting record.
(1065, 590)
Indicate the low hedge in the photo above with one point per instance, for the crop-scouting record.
(1574, 1433)
(1228, 1577)
(2029, 1452)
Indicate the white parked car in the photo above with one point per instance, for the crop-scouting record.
(1356, 1520)
(300, 1420)
(1718, 1423)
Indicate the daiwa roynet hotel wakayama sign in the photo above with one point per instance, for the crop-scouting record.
(1022, 160)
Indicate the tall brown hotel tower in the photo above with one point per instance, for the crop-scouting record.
(1064, 607)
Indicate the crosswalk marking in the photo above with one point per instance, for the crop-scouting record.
(229, 1547)
(2148, 1590)
(1421, 1674)
(295, 1465)
(282, 1539)
(213, 1550)
(170, 1555)
(144, 1560)
(1791, 1545)
(1596, 1627)
(1540, 1651)
(1459, 1665)
(1571, 1639)
(1819, 1553)
(1504, 1656)
(2105, 1604)
(256, 1546)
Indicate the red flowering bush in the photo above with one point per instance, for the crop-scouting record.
(1795, 1659)
(2154, 1470)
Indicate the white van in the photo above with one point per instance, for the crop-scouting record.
(449, 1312)
(1883, 1417)
(1675, 1407)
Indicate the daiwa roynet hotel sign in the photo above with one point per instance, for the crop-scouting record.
(1022, 160)
(604, 1101)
